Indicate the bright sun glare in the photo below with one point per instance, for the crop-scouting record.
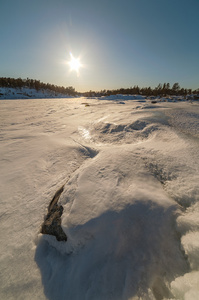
(74, 63)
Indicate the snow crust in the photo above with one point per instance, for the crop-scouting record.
(130, 199)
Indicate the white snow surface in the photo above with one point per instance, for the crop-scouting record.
(130, 199)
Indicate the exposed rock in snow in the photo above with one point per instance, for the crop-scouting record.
(52, 222)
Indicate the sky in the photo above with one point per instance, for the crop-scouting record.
(120, 43)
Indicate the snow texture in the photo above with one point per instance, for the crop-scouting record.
(130, 200)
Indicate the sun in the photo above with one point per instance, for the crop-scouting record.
(74, 63)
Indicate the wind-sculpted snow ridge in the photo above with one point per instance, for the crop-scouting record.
(122, 215)
(52, 220)
(116, 224)
(121, 225)
(122, 133)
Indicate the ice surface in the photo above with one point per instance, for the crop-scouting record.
(130, 175)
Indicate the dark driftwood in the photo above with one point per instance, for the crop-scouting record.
(52, 222)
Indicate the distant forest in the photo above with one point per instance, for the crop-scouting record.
(35, 84)
(161, 90)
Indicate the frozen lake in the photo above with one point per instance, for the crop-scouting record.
(130, 171)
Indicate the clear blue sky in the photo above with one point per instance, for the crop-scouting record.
(121, 43)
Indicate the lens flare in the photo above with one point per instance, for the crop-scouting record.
(74, 63)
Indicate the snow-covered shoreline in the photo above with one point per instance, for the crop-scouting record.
(130, 174)
(7, 93)
(28, 93)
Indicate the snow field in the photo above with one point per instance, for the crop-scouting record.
(130, 199)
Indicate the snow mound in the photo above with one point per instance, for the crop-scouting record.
(116, 217)
(108, 133)
(123, 219)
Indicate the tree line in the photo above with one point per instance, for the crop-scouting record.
(161, 90)
(35, 84)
